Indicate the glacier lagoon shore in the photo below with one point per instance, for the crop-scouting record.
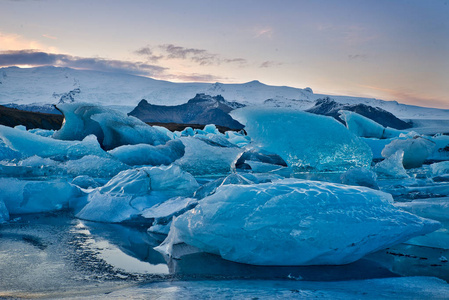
(54, 255)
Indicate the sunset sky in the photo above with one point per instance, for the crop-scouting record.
(391, 50)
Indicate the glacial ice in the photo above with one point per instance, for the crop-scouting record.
(237, 138)
(201, 158)
(305, 141)
(94, 166)
(111, 127)
(365, 127)
(4, 214)
(32, 196)
(360, 177)
(440, 168)
(392, 167)
(144, 154)
(131, 191)
(28, 144)
(416, 150)
(295, 222)
(85, 182)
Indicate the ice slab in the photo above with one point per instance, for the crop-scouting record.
(440, 168)
(295, 222)
(28, 144)
(32, 196)
(360, 177)
(144, 154)
(305, 141)
(111, 127)
(392, 167)
(94, 166)
(365, 127)
(132, 191)
(416, 150)
(202, 158)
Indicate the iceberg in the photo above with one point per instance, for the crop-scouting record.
(28, 144)
(440, 168)
(294, 222)
(416, 150)
(360, 177)
(392, 167)
(304, 140)
(144, 154)
(4, 214)
(202, 158)
(32, 196)
(132, 191)
(94, 166)
(112, 128)
(367, 128)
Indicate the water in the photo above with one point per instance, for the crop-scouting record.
(56, 255)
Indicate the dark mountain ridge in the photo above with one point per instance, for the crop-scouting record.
(202, 109)
(329, 107)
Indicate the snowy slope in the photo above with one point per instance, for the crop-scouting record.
(47, 85)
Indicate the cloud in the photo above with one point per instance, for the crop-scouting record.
(265, 32)
(201, 57)
(49, 37)
(193, 77)
(147, 52)
(38, 58)
(270, 64)
(357, 56)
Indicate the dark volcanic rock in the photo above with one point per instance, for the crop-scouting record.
(329, 107)
(12, 117)
(202, 109)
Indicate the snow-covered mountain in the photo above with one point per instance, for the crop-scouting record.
(50, 85)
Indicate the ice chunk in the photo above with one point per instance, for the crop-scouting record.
(211, 187)
(85, 182)
(304, 140)
(216, 140)
(440, 168)
(188, 131)
(392, 167)
(166, 210)
(95, 166)
(4, 214)
(361, 177)
(237, 138)
(20, 127)
(111, 127)
(6, 153)
(295, 222)
(29, 144)
(416, 150)
(132, 191)
(37, 162)
(166, 131)
(144, 154)
(201, 158)
(42, 132)
(26, 196)
(211, 128)
(365, 127)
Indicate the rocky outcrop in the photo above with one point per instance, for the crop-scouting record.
(329, 107)
(203, 110)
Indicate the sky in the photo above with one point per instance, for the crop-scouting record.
(390, 50)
